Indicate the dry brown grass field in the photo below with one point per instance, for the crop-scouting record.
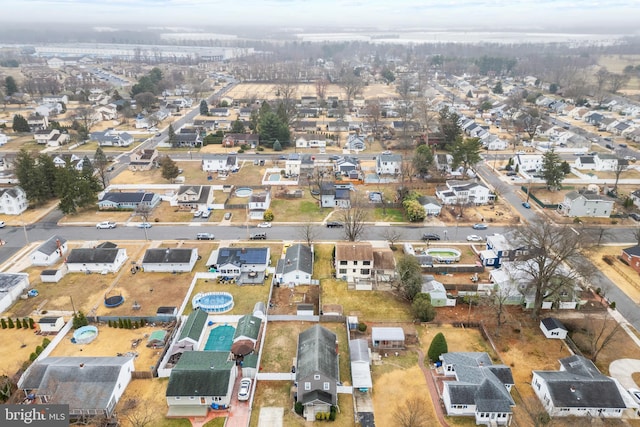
(268, 91)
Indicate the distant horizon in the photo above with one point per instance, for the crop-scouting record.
(554, 16)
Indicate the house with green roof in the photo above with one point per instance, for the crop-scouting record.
(317, 371)
(200, 379)
(193, 327)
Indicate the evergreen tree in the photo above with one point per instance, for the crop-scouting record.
(170, 170)
(438, 346)
(66, 189)
(120, 323)
(271, 128)
(497, 89)
(32, 324)
(25, 323)
(11, 325)
(18, 324)
(3, 323)
(46, 169)
(79, 320)
(237, 126)
(449, 126)
(20, 124)
(277, 146)
(173, 140)
(552, 170)
(10, 85)
(204, 108)
(466, 153)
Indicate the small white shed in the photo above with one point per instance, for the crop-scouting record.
(53, 275)
(50, 324)
(553, 328)
(387, 338)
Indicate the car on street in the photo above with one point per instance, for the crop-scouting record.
(2, 224)
(227, 216)
(205, 236)
(334, 224)
(264, 225)
(111, 168)
(258, 236)
(526, 205)
(244, 389)
(480, 226)
(474, 238)
(430, 236)
(635, 216)
(630, 158)
(144, 225)
(105, 225)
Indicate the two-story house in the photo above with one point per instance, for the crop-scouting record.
(13, 201)
(333, 197)
(219, 162)
(198, 197)
(388, 164)
(464, 192)
(317, 371)
(528, 162)
(259, 202)
(354, 262)
(500, 248)
(586, 204)
(143, 160)
(246, 265)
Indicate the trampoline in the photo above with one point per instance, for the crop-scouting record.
(113, 301)
(220, 338)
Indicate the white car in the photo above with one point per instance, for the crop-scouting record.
(264, 225)
(474, 238)
(144, 225)
(2, 224)
(105, 225)
(245, 389)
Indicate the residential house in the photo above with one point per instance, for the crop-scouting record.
(64, 159)
(500, 248)
(128, 200)
(13, 201)
(3, 139)
(387, 338)
(296, 268)
(49, 252)
(493, 143)
(190, 140)
(553, 328)
(585, 163)
(606, 162)
(384, 265)
(12, 285)
(107, 112)
(219, 162)
(169, 260)
(37, 122)
(631, 256)
(258, 203)
(356, 142)
(50, 325)
(96, 260)
(443, 162)
(528, 162)
(337, 126)
(51, 99)
(464, 192)
(578, 389)
(360, 359)
(436, 291)
(354, 262)
(586, 204)
(511, 282)
(344, 165)
(51, 138)
(332, 197)
(91, 386)
(306, 126)
(309, 101)
(311, 141)
(143, 160)
(198, 381)
(246, 265)
(198, 197)
(431, 205)
(481, 389)
(111, 138)
(307, 112)
(219, 112)
(238, 139)
(388, 164)
(317, 371)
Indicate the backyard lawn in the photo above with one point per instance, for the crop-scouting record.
(244, 297)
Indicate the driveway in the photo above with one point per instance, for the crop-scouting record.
(271, 417)
(622, 369)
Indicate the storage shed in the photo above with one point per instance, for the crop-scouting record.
(50, 325)
(385, 338)
(553, 328)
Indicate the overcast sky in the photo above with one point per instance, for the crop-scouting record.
(549, 15)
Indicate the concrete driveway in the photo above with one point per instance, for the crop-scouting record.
(622, 369)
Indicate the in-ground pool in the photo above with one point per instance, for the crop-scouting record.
(446, 255)
(220, 338)
(243, 192)
(274, 177)
(213, 302)
(85, 334)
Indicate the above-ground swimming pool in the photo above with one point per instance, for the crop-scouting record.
(85, 334)
(446, 255)
(213, 302)
(244, 192)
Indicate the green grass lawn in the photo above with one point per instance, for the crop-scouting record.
(297, 210)
(388, 215)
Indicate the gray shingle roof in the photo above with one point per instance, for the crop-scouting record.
(81, 382)
(581, 385)
(315, 395)
(317, 353)
(92, 255)
(359, 350)
(167, 256)
(131, 197)
(50, 246)
(552, 323)
(297, 258)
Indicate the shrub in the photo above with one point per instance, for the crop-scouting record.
(268, 215)
(438, 346)
(362, 327)
(11, 325)
(33, 357)
(25, 323)
(18, 324)
(79, 320)
(45, 342)
(319, 416)
(333, 413)
(612, 305)
(298, 408)
(32, 324)
(39, 349)
(3, 323)
(120, 323)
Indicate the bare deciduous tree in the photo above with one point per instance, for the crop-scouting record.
(598, 331)
(498, 300)
(392, 235)
(617, 82)
(308, 232)
(621, 166)
(413, 413)
(352, 86)
(353, 220)
(139, 415)
(321, 89)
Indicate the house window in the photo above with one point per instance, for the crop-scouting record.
(355, 262)
(177, 398)
(365, 271)
(326, 386)
(316, 377)
(307, 386)
(343, 271)
(366, 262)
(343, 262)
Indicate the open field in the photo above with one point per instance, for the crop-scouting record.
(616, 64)
(268, 91)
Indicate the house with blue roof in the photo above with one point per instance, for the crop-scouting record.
(128, 200)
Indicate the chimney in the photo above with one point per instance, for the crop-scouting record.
(59, 246)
